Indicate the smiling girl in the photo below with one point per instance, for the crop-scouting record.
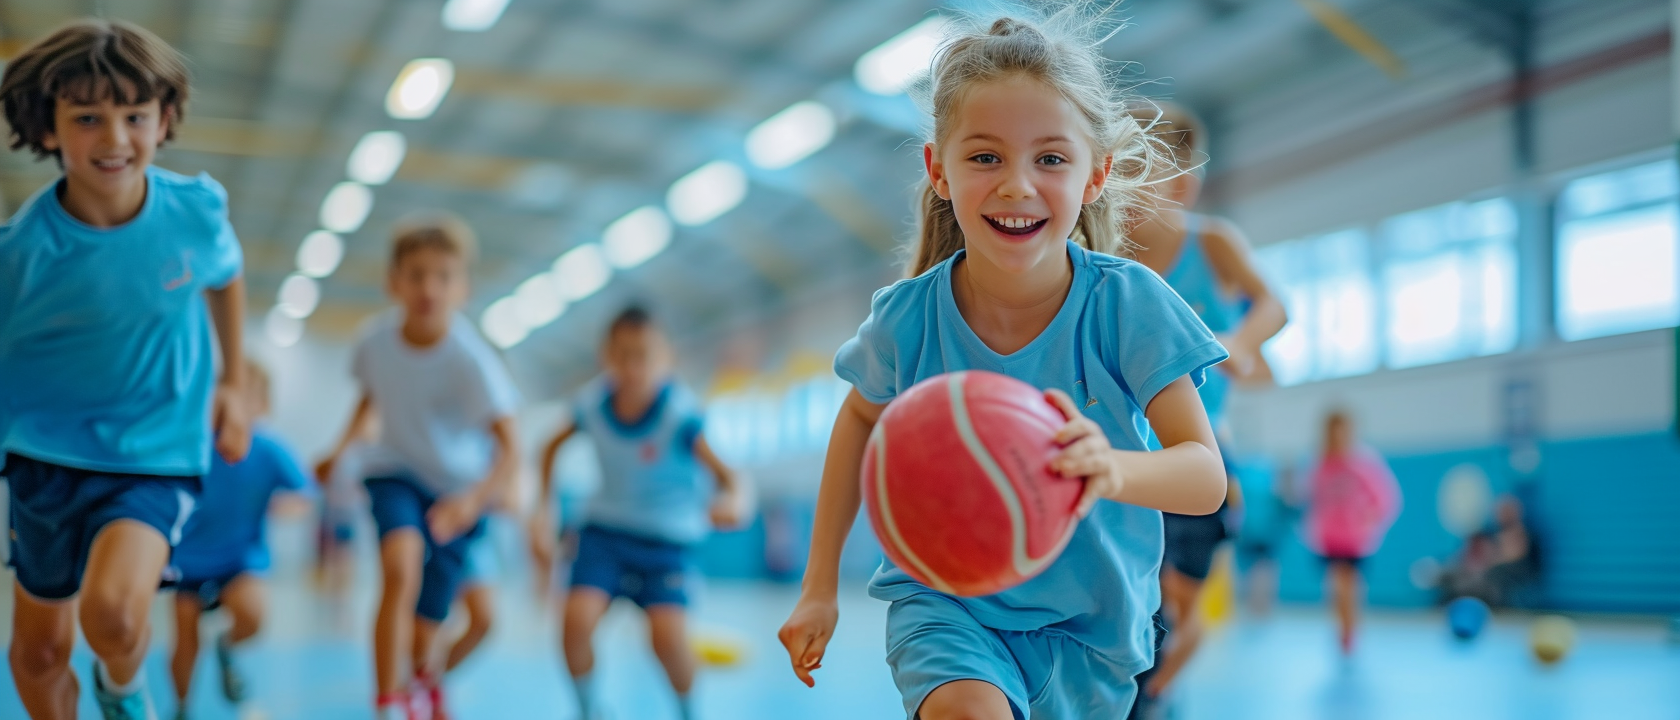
(1030, 167)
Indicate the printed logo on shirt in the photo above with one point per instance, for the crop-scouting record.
(649, 453)
(178, 276)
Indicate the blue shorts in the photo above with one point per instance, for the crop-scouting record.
(931, 641)
(57, 511)
(399, 503)
(647, 571)
(207, 589)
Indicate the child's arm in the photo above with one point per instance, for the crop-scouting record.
(728, 508)
(808, 629)
(455, 514)
(361, 419)
(541, 528)
(1233, 262)
(1184, 477)
(230, 419)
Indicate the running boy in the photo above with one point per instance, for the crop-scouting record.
(110, 280)
(651, 508)
(445, 454)
(223, 552)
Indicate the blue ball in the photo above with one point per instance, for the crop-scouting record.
(1466, 617)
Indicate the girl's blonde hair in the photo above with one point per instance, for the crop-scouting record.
(1061, 51)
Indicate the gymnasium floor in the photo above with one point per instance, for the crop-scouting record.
(312, 663)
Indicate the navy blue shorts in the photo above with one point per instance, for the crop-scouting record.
(57, 511)
(399, 503)
(208, 590)
(1192, 541)
(647, 571)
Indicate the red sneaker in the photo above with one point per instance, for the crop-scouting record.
(395, 706)
(429, 691)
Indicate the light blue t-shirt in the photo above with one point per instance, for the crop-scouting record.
(652, 484)
(1193, 278)
(435, 404)
(106, 348)
(1120, 337)
(225, 534)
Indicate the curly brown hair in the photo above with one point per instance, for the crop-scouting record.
(85, 62)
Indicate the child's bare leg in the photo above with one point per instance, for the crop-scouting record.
(124, 565)
(400, 555)
(246, 605)
(668, 627)
(43, 633)
(479, 601)
(584, 608)
(185, 656)
(966, 700)
(426, 660)
(1179, 593)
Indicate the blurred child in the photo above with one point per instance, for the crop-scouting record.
(111, 278)
(652, 506)
(1353, 501)
(1031, 167)
(223, 553)
(445, 454)
(1207, 262)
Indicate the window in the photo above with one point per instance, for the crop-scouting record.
(1325, 284)
(1617, 266)
(1449, 282)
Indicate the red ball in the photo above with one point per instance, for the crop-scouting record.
(957, 480)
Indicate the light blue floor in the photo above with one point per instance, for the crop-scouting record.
(312, 663)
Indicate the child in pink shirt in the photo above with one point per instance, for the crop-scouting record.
(1354, 500)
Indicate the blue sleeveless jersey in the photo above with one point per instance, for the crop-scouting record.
(1193, 278)
(652, 484)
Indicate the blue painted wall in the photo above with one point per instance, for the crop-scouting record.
(1606, 512)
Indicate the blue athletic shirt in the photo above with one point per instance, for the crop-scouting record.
(225, 534)
(1120, 337)
(1193, 278)
(106, 357)
(652, 484)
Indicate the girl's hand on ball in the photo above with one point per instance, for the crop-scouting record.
(1086, 453)
(806, 634)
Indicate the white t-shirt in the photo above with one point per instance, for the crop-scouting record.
(435, 404)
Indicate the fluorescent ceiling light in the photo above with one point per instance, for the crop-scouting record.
(283, 330)
(581, 272)
(790, 135)
(501, 323)
(299, 295)
(346, 207)
(701, 196)
(892, 65)
(320, 254)
(377, 156)
(472, 15)
(538, 301)
(419, 88)
(630, 240)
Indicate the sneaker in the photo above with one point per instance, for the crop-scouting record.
(397, 707)
(111, 707)
(432, 690)
(233, 681)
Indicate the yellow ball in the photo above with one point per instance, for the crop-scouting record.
(1551, 638)
(718, 650)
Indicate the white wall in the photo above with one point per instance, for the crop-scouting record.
(1589, 388)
